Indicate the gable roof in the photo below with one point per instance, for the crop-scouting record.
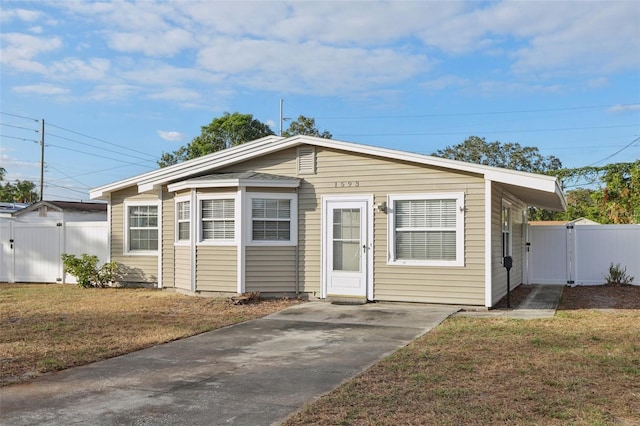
(534, 189)
(65, 206)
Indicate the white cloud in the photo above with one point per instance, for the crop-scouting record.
(74, 68)
(164, 43)
(597, 83)
(41, 89)
(21, 14)
(176, 94)
(309, 67)
(445, 82)
(183, 51)
(171, 136)
(624, 108)
(113, 92)
(11, 164)
(19, 50)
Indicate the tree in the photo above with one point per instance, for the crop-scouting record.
(223, 132)
(508, 155)
(305, 126)
(618, 197)
(22, 191)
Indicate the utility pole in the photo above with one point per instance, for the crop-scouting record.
(281, 102)
(42, 160)
(282, 117)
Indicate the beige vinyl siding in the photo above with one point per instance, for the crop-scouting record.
(498, 271)
(134, 268)
(216, 268)
(380, 177)
(168, 238)
(183, 267)
(270, 269)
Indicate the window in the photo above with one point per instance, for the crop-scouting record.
(142, 228)
(273, 219)
(506, 230)
(427, 229)
(218, 219)
(183, 217)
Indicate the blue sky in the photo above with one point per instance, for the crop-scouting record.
(118, 83)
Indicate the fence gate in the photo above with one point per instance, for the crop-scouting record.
(31, 251)
(5, 251)
(582, 254)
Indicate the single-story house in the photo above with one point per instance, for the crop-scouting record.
(326, 219)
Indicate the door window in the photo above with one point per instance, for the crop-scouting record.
(346, 240)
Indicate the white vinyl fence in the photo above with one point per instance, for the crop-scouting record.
(582, 254)
(31, 252)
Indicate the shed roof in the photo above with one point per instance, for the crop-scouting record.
(77, 206)
(534, 189)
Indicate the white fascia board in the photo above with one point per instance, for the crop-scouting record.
(206, 163)
(226, 183)
(102, 191)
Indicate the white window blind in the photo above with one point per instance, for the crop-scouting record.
(425, 229)
(218, 219)
(184, 220)
(271, 219)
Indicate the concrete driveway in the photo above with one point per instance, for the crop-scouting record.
(254, 373)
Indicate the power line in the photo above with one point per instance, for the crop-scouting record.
(19, 127)
(19, 138)
(81, 191)
(19, 116)
(102, 140)
(617, 152)
(66, 175)
(94, 155)
(490, 132)
(463, 114)
(93, 146)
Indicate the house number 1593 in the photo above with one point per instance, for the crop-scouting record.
(346, 184)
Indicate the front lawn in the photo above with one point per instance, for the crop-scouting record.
(580, 367)
(48, 327)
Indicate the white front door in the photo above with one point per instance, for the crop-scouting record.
(347, 247)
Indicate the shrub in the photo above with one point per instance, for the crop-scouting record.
(85, 269)
(618, 275)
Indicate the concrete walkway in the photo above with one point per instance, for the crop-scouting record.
(254, 373)
(542, 302)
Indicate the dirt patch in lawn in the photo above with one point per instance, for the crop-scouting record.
(53, 327)
(610, 296)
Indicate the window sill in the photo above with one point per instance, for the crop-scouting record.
(427, 263)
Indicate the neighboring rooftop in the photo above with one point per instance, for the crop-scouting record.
(78, 206)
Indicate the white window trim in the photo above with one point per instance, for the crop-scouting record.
(292, 197)
(177, 241)
(133, 203)
(460, 240)
(236, 219)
